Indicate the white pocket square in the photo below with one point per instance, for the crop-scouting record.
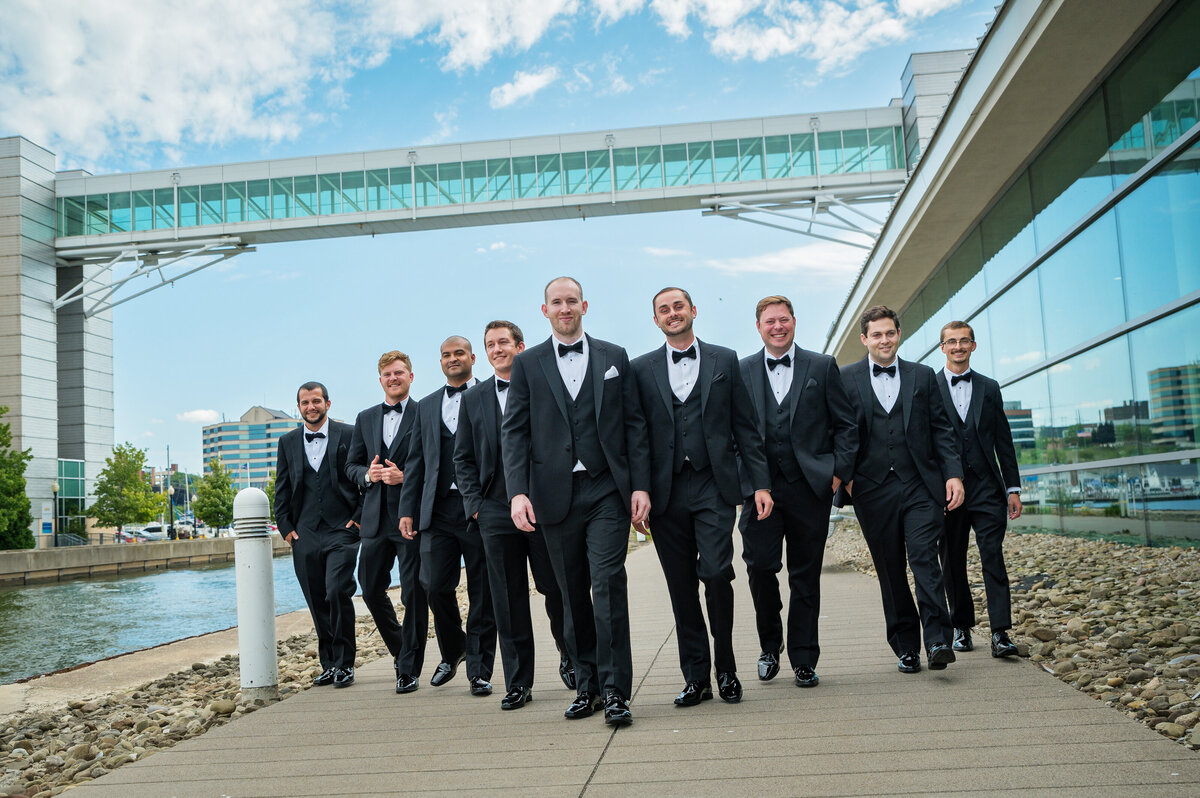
(611, 373)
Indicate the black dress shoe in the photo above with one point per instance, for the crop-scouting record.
(516, 698)
(343, 677)
(1002, 646)
(406, 683)
(616, 710)
(768, 664)
(480, 686)
(445, 671)
(728, 687)
(325, 678)
(566, 672)
(693, 694)
(940, 655)
(910, 662)
(806, 676)
(962, 640)
(584, 706)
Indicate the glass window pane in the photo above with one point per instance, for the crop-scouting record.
(500, 179)
(427, 193)
(73, 210)
(120, 211)
(189, 206)
(599, 179)
(164, 208)
(378, 198)
(675, 165)
(305, 194)
(1007, 235)
(1071, 175)
(1016, 319)
(650, 167)
(700, 166)
(450, 183)
(524, 177)
(574, 166)
(258, 200)
(143, 210)
(1081, 287)
(1087, 394)
(830, 142)
(1027, 405)
(549, 171)
(882, 150)
(751, 164)
(854, 145)
(964, 276)
(725, 160)
(211, 197)
(625, 167)
(281, 198)
(475, 181)
(1166, 373)
(400, 186)
(803, 155)
(329, 191)
(97, 213)
(778, 157)
(354, 192)
(235, 202)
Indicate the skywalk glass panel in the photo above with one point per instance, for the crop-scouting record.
(211, 198)
(189, 206)
(120, 211)
(575, 172)
(549, 169)
(426, 176)
(450, 183)
(625, 168)
(881, 150)
(354, 192)
(675, 164)
(235, 202)
(777, 157)
(750, 164)
(499, 179)
(525, 176)
(804, 159)
(830, 145)
(143, 210)
(475, 183)
(281, 198)
(725, 160)
(73, 210)
(164, 208)
(700, 162)
(599, 179)
(329, 193)
(258, 200)
(305, 195)
(97, 214)
(378, 198)
(400, 186)
(854, 150)
(650, 174)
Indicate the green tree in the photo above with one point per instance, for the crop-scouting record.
(15, 516)
(123, 496)
(269, 489)
(214, 496)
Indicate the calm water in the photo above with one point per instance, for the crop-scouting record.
(47, 627)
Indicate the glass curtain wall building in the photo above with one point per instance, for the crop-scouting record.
(1083, 286)
(247, 447)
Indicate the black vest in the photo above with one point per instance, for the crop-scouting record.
(973, 456)
(445, 461)
(781, 455)
(887, 449)
(585, 436)
(689, 432)
(322, 508)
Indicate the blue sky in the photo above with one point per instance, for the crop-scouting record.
(159, 83)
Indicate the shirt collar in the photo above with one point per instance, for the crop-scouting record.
(324, 428)
(582, 337)
(895, 362)
(791, 352)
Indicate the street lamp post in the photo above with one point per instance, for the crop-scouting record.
(54, 518)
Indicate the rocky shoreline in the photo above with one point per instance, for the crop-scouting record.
(1119, 623)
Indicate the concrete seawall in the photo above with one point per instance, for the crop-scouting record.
(81, 562)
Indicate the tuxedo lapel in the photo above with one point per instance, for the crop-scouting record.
(597, 365)
(801, 365)
(406, 421)
(976, 410)
(491, 414)
(947, 399)
(376, 431)
(866, 394)
(907, 387)
(758, 394)
(663, 381)
(550, 369)
(708, 369)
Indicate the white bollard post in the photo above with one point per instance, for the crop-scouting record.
(252, 558)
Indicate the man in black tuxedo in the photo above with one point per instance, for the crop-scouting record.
(807, 422)
(906, 477)
(430, 503)
(985, 444)
(317, 509)
(381, 441)
(700, 422)
(581, 472)
(480, 473)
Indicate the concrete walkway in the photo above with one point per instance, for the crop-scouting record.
(983, 725)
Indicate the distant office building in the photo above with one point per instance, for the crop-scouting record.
(1175, 405)
(247, 447)
(1137, 412)
(1020, 421)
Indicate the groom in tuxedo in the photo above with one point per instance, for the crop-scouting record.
(582, 473)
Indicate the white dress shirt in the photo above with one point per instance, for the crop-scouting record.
(315, 449)
(683, 375)
(451, 405)
(391, 422)
(886, 388)
(780, 377)
(572, 366)
(961, 393)
(501, 396)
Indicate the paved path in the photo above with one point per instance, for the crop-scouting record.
(983, 725)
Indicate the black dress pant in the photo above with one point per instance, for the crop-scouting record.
(985, 510)
(511, 554)
(902, 519)
(693, 536)
(375, 560)
(801, 519)
(414, 628)
(324, 564)
(587, 550)
(450, 540)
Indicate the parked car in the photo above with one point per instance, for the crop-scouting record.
(153, 532)
(184, 530)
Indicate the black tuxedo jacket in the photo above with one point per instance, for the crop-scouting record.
(289, 478)
(727, 418)
(477, 445)
(986, 416)
(423, 462)
(824, 432)
(536, 437)
(927, 429)
(366, 444)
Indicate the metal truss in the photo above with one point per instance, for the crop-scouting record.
(171, 261)
(830, 210)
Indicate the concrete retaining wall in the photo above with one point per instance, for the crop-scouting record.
(82, 562)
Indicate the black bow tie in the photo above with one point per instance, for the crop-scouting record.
(576, 347)
(501, 385)
(957, 378)
(888, 370)
(312, 436)
(677, 356)
(396, 408)
(451, 390)
(772, 362)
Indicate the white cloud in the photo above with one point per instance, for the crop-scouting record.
(445, 126)
(523, 86)
(495, 246)
(665, 252)
(824, 265)
(198, 416)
